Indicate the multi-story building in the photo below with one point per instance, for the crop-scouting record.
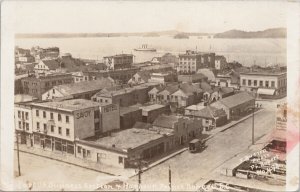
(266, 84)
(120, 61)
(191, 61)
(36, 86)
(56, 125)
(47, 66)
(42, 53)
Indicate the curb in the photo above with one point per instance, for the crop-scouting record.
(67, 162)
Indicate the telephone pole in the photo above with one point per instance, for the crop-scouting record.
(170, 178)
(18, 155)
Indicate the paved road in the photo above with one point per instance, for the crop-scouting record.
(189, 168)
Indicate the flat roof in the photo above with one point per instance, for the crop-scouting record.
(129, 138)
(70, 105)
(124, 110)
(265, 73)
(151, 107)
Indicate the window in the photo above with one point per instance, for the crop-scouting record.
(206, 121)
(255, 82)
(45, 127)
(37, 113)
(272, 83)
(52, 128)
(59, 117)
(37, 125)
(261, 83)
(19, 114)
(88, 153)
(67, 119)
(67, 132)
(27, 126)
(79, 149)
(51, 115)
(267, 83)
(53, 91)
(44, 114)
(249, 82)
(120, 160)
(59, 130)
(20, 125)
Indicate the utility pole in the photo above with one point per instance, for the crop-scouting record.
(18, 155)
(170, 179)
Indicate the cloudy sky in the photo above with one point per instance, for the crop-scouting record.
(135, 16)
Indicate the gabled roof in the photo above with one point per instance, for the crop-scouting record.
(210, 112)
(208, 73)
(51, 64)
(84, 86)
(170, 88)
(236, 99)
(165, 121)
(224, 90)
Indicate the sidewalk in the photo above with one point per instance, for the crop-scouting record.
(223, 128)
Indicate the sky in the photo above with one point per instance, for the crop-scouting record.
(143, 16)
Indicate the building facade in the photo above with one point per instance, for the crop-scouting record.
(36, 86)
(120, 61)
(191, 61)
(267, 85)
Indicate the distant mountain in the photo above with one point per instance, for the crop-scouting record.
(74, 35)
(268, 33)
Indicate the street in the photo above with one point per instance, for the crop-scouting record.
(192, 167)
(46, 174)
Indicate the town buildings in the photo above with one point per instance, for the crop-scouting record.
(191, 61)
(83, 90)
(236, 106)
(183, 128)
(210, 116)
(121, 61)
(129, 116)
(54, 126)
(266, 84)
(162, 78)
(192, 78)
(151, 112)
(140, 77)
(124, 96)
(44, 53)
(47, 66)
(229, 79)
(37, 85)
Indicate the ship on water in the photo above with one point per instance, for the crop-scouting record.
(145, 48)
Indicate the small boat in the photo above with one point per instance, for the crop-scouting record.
(145, 48)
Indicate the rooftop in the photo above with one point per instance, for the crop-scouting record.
(151, 107)
(20, 98)
(129, 138)
(124, 110)
(265, 73)
(210, 112)
(119, 55)
(84, 86)
(236, 99)
(69, 105)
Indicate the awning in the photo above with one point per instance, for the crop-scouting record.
(262, 91)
